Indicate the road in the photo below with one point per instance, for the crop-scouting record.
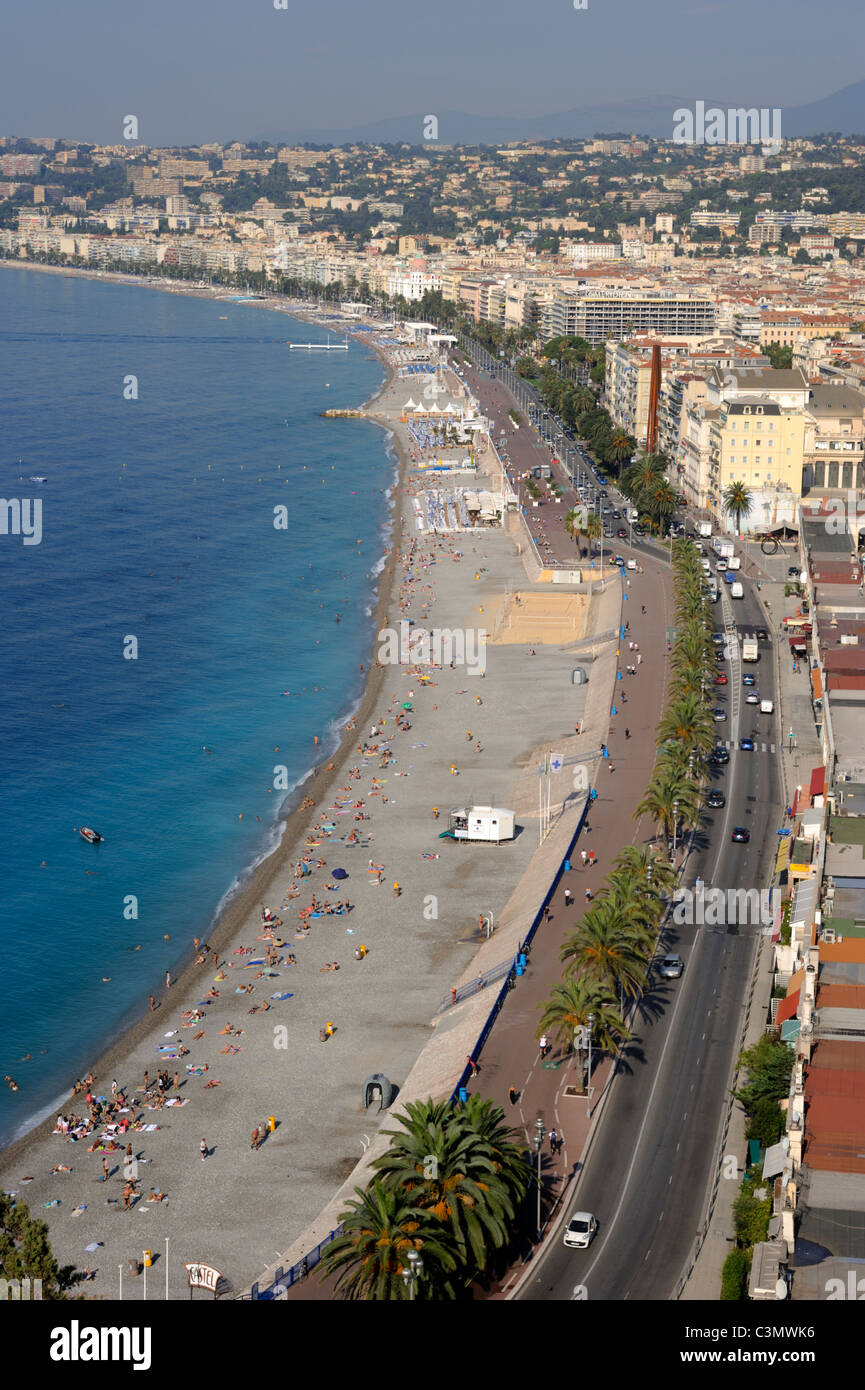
(647, 1175)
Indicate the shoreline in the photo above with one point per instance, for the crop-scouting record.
(254, 881)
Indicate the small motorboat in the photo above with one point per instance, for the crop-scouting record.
(38, 478)
(91, 836)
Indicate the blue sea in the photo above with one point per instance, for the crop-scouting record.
(161, 614)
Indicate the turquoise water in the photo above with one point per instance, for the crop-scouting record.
(158, 526)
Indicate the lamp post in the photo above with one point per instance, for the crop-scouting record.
(590, 1023)
(540, 1131)
(413, 1272)
(675, 824)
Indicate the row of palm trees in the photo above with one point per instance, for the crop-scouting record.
(606, 958)
(645, 483)
(686, 732)
(447, 1193)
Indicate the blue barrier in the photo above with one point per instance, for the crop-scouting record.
(513, 971)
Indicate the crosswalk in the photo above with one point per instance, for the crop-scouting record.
(730, 745)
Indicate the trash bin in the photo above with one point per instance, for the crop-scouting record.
(271, 1123)
(148, 1259)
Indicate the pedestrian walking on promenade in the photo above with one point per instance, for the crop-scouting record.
(472, 1065)
(627, 734)
(203, 1149)
(644, 608)
(612, 768)
(593, 859)
(513, 1095)
(588, 895)
(554, 1138)
(639, 658)
(568, 897)
(584, 856)
(543, 1044)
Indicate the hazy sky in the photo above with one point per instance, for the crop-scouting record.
(199, 70)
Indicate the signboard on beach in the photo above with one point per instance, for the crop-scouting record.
(202, 1277)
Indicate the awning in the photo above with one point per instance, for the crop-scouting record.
(798, 643)
(818, 782)
(787, 1007)
(776, 1157)
(816, 683)
(782, 858)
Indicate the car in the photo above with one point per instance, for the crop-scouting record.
(580, 1230)
(719, 755)
(749, 680)
(632, 564)
(719, 714)
(718, 639)
(752, 698)
(740, 835)
(762, 635)
(715, 798)
(617, 514)
(720, 655)
(746, 744)
(638, 531)
(671, 967)
(793, 572)
(721, 565)
(622, 533)
(721, 678)
(603, 493)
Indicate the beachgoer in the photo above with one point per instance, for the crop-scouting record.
(203, 1148)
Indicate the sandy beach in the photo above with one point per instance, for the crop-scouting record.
(251, 1029)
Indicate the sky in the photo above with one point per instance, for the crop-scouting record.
(194, 71)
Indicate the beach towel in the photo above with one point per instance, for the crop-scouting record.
(282, 996)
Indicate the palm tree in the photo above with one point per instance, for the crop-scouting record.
(737, 502)
(441, 1161)
(569, 1006)
(594, 529)
(622, 446)
(379, 1230)
(671, 799)
(686, 721)
(602, 950)
(645, 864)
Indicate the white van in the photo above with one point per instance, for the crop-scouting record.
(767, 707)
(736, 591)
(734, 563)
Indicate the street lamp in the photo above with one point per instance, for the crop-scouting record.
(590, 1023)
(414, 1271)
(675, 825)
(540, 1131)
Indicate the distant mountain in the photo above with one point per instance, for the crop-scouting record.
(843, 111)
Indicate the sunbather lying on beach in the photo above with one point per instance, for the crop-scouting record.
(208, 1085)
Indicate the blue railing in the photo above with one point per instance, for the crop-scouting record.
(523, 951)
(284, 1279)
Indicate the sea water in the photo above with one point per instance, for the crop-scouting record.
(161, 614)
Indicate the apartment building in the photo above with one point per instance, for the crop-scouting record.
(599, 315)
(786, 328)
(758, 438)
(834, 452)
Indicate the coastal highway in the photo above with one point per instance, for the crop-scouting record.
(655, 1154)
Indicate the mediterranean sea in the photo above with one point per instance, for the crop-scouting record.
(168, 656)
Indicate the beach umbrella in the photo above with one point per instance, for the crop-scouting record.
(406, 706)
(339, 873)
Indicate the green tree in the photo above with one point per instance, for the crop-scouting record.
(380, 1228)
(737, 502)
(26, 1253)
(734, 1277)
(603, 950)
(569, 1007)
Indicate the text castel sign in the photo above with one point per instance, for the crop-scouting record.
(202, 1277)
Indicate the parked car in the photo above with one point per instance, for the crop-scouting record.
(719, 714)
(715, 798)
(721, 678)
(580, 1230)
(671, 967)
(718, 639)
(740, 835)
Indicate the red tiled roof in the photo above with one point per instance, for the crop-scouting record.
(840, 996)
(787, 1007)
(818, 782)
